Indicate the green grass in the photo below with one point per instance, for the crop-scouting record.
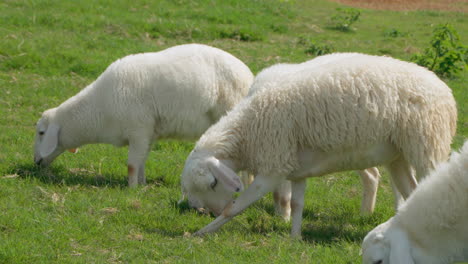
(80, 210)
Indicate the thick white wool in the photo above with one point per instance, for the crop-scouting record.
(435, 216)
(359, 101)
(431, 226)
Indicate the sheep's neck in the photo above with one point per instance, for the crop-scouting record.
(81, 120)
(225, 140)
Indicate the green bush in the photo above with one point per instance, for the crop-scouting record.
(343, 19)
(394, 33)
(446, 56)
(319, 49)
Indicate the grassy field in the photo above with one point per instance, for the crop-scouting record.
(80, 211)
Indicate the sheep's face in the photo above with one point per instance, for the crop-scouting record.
(203, 185)
(46, 146)
(376, 247)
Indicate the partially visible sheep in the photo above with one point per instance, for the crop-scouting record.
(268, 79)
(358, 113)
(178, 92)
(431, 227)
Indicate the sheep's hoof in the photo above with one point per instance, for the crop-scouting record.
(198, 234)
(296, 237)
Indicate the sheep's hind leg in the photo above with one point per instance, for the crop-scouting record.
(138, 150)
(370, 182)
(141, 174)
(259, 187)
(402, 177)
(399, 200)
(297, 206)
(282, 198)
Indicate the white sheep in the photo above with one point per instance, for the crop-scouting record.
(355, 113)
(282, 193)
(431, 227)
(267, 79)
(178, 92)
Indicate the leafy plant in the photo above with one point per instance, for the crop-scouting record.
(314, 48)
(343, 19)
(394, 33)
(319, 49)
(241, 34)
(446, 56)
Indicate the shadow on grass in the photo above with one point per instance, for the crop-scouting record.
(64, 176)
(331, 233)
(317, 228)
(59, 175)
(325, 228)
(164, 232)
(334, 226)
(183, 206)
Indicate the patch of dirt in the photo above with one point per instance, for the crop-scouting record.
(407, 5)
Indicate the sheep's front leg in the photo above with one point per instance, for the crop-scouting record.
(297, 206)
(246, 178)
(370, 182)
(138, 150)
(260, 186)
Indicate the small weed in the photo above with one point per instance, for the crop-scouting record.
(344, 18)
(314, 48)
(394, 33)
(446, 56)
(241, 35)
(279, 28)
(319, 49)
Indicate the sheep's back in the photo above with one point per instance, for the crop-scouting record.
(182, 90)
(357, 102)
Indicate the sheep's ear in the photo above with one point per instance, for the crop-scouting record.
(400, 248)
(225, 175)
(50, 140)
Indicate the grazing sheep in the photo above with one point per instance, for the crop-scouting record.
(282, 193)
(431, 227)
(267, 79)
(355, 113)
(178, 92)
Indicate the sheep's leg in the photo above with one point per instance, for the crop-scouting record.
(370, 182)
(141, 174)
(402, 177)
(260, 186)
(297, 206)
(282, 198)
(138, 150)
(398, 198)
(246, 178)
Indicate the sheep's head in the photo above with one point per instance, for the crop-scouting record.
(386, 244)
(208, 183)
(47, 144)
(375, 247)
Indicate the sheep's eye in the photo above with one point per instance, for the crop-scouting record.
(213, 184)
(41, 133)
(377, 262)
